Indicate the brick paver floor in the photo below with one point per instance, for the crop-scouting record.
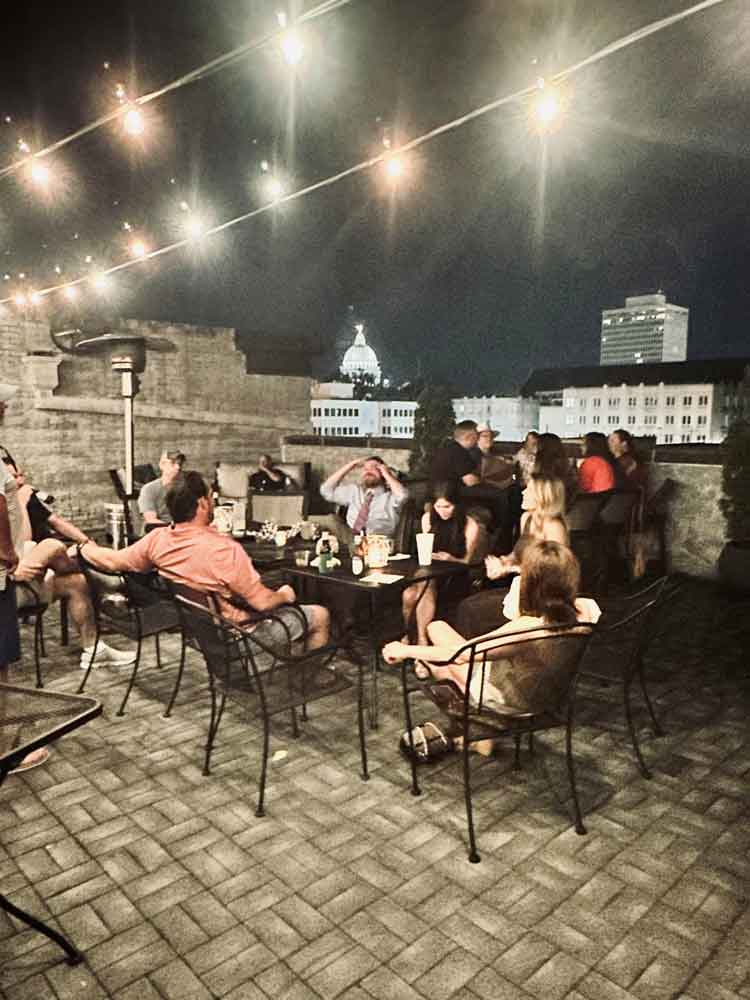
(174, 889)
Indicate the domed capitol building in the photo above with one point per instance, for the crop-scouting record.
(360, 359)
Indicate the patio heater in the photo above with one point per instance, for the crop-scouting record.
(127, 356)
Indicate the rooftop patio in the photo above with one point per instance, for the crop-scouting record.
(173, 888)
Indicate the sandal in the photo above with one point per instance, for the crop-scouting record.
(429, 741)
(34, 759)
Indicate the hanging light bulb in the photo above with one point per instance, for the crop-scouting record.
(20, 299)
(133, 122)
(194, 227)
(40, 174)
(274, 188)
(100, 282)
(291, 47)
(394, 167)
(71, 293)
(35, 298)
(138, 248)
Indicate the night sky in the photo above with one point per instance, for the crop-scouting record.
(460, 273)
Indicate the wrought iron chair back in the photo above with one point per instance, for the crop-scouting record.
(515, 684)
(267, 675)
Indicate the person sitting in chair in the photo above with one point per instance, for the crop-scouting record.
(550, 578)
(193, 553)
(372, 504)
(152, 501)
(268, 479)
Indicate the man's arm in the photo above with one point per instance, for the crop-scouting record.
(329, 486)
(244, 581)
(7, 553)
(66, 529)
(135, 558)
(396, 487)
(147, 505)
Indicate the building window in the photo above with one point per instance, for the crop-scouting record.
(632, 400)
(685, 438)
(613, 401)
(570, 419)
(702, 419)
(581, 419)
(650, 400)
(596, 420)
(702, 400)
(596, 402)
(570, 401)
(668, 438)
(613, 421)
(669, 401)
(582, 403)
(631, 419)
(687, 400)
(650, 420)
(687, 420)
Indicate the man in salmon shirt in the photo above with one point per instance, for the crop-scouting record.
(192, 552)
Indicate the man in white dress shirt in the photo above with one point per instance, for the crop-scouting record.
(373, 503)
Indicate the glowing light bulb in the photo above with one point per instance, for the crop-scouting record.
(264, 166)
(58, 269)
(40, 173)
(281, 18)
(547, 108)
(120, 91)
(71, 293)
(20, 299)
(127, 227)
(88, 259)
(394, 167)
(23, 146)
(100, 282)
(184, 207)
(106, 65)
(291, 46)
(133, 122)
(35, 298)
(138, 248)
(194, 228)
(274, 188)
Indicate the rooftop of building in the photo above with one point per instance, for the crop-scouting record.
(708, 371)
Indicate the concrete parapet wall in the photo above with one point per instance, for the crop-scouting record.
(65, 425)
(696, 530)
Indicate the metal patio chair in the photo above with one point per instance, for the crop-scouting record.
(265, 681)
(542, 665)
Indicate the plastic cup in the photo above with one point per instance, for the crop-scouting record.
(302, 557)
(425, 540)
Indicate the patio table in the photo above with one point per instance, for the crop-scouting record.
(408, 570)
(30, 719)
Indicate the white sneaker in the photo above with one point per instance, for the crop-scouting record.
(106, 654)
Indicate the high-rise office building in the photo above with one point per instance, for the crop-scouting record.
(649, 329)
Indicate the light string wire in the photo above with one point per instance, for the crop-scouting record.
(207, 69)
(420, 140)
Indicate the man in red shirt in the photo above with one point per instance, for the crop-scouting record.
(192, 552)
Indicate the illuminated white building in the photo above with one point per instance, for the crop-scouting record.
(688, 402)
(360, 359)
(335, 412)
(649, 329)
(511, 416)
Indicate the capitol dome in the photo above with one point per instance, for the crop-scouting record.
(360, 359)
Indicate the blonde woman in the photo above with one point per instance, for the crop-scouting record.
(543, 520)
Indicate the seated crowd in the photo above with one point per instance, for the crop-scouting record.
(473, 496)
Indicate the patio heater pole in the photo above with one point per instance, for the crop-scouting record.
(129, 389)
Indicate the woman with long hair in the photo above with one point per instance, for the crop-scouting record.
(597, 472)
(552, 462)
(550, 578)
(458, 537)
(622, 447)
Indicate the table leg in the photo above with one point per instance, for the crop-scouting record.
(373, 710)
(73, 956)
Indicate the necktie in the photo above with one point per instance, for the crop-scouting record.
(364, 513)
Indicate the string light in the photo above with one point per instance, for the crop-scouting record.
(35, 298)
(195, 228)
(133, 122)
(200, 73)
(291, 46)
(138, 249)
(120, 92)
(71, 293)
(40, 174)
(100, 282)
(394, 167)
(23, 146)
(274, 188)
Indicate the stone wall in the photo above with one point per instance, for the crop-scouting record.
(696, 530)
(65, 425)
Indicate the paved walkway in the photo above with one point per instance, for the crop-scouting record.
(175, 889)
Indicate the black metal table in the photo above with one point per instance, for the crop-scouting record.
(31, 719)
(410, 572)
